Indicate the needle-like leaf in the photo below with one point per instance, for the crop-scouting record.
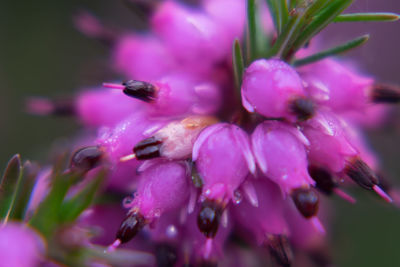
(332, 51)
(379, 16)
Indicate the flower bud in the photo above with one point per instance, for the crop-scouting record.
(330, 83)
(329, 144)
(174, 141)
(173, 95)
(280, 153)
(191, 35)
(223, 158)
(267, 218)
(142, 57)
(273, 89)
(162, 188)
(104, 107)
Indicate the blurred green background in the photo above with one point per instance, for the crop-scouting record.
(41, 54)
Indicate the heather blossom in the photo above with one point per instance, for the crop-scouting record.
(210, 152)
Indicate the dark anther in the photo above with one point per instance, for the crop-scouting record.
(324, 180)
(86, 158)
(361, 173)
(208, 218)
(64, 107)
(166, 255)
(383, 93)
(306, 201)
(280, 249)
(140, 90)
(303, 108)
(130, 226)
(148, 148)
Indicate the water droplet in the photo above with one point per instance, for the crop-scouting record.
(171, 231)
(237, 197)
(157, 213)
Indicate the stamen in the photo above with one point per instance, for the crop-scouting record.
(113, 246)
(114, 86)
(344, 195)
(384, 93)
(89, 25)
(208, 248)
(129, 227)
(45, 107)
(39, 106)
(86, 158)
(148, 148)
(361, 173)
(382, 194)
(318, 225)
(127, 157)
(303, 108)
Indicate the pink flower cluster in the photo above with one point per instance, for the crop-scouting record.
(198, 165)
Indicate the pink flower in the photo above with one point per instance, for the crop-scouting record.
(234, 20)
(104, 107)
(119, 141)
(280, 153)
(174, 95)
(162, 188)
(331, 148)
(175, 140)
(265, 219)
(142, 57)
(20, 246)
(329, 145)
(330, 83)
(223, 158)
(191, 35)
(275, 90)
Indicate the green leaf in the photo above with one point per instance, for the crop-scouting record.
(293, 4)
(282, 14)
(327, 15)
(332, 51)
(8, 186)
(251, 39)
(238, 64)
(379, 16)
(72, 208)
(24, 191)
(292, 28)
(46, 218)
(315, 8)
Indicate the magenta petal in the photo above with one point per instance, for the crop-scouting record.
(20, 246)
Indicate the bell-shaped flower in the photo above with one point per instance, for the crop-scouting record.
(280, 152)
(223, 158)
(273, 89)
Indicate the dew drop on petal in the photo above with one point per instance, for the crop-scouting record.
(237, 197)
